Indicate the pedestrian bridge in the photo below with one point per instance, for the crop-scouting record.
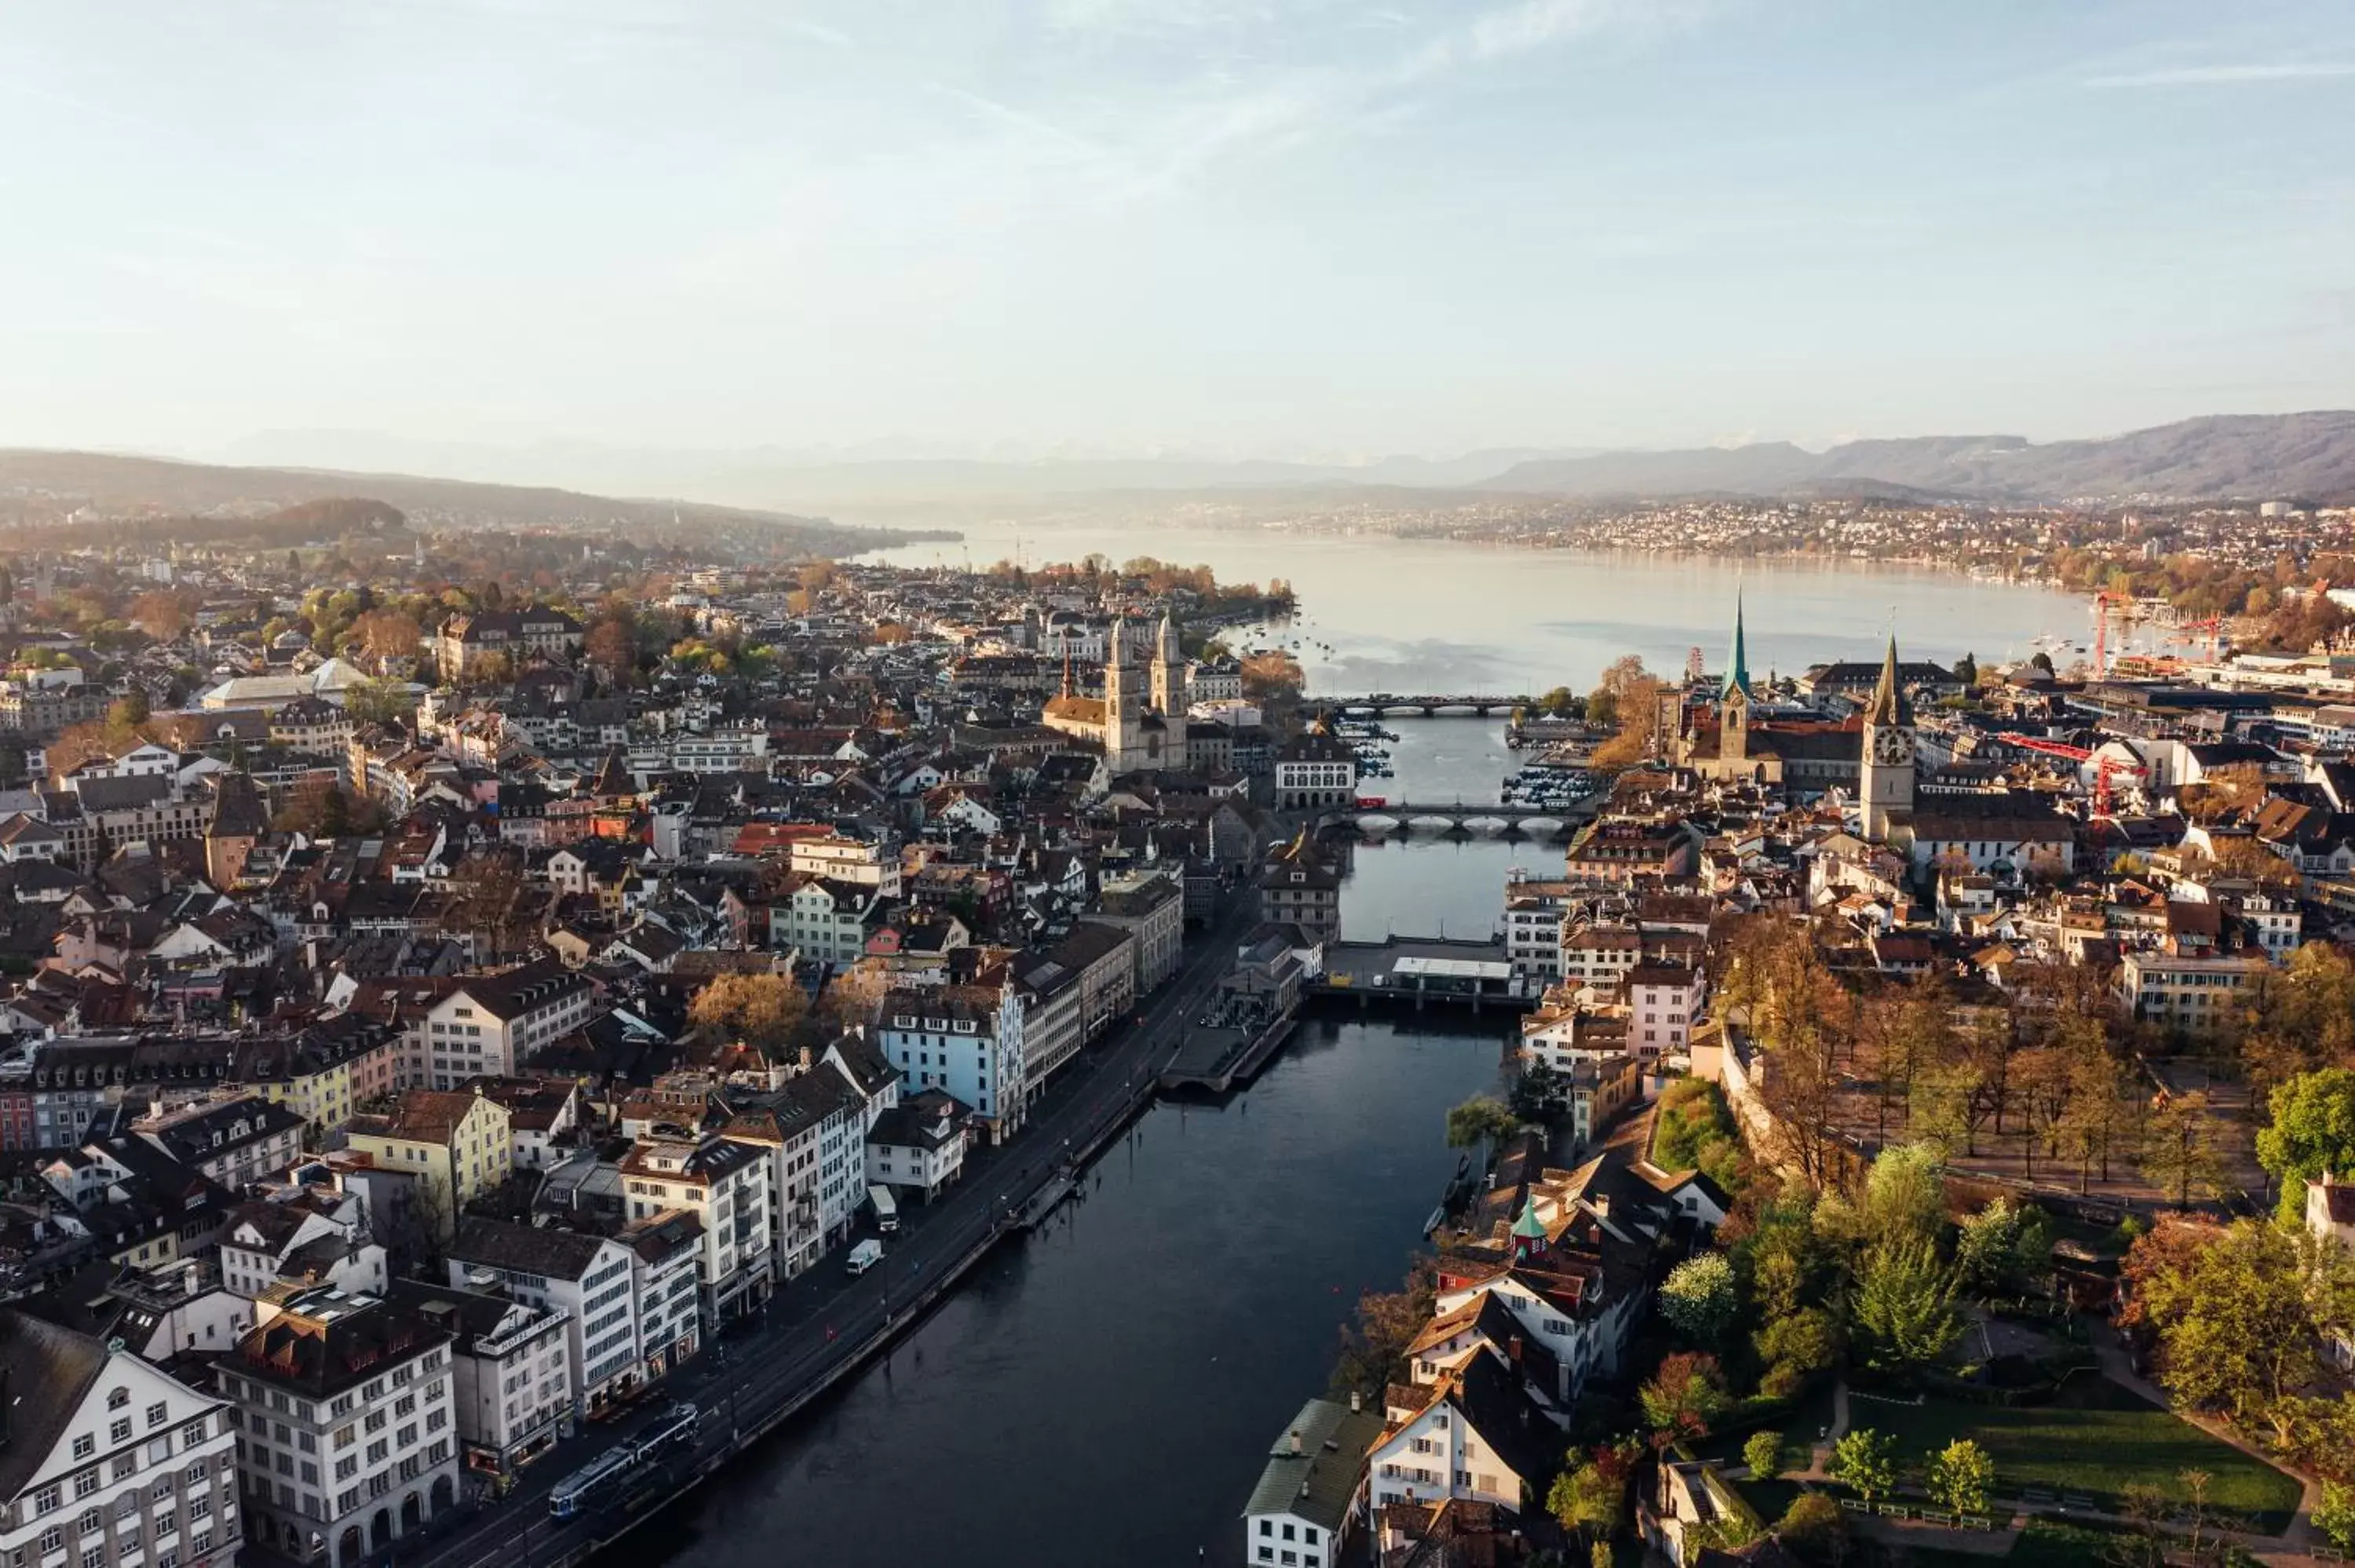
(1407, 819)
(1423, 706)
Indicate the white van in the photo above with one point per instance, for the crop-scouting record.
(887, 1209)
(864, 1256)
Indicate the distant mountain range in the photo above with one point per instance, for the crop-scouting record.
(116, 483)
(2225, 456)
(791, 478)
(2308, 457)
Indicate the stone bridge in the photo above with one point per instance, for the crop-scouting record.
(1416, 819)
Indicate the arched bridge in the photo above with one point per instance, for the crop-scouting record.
(1384, 703)
(1410, 819)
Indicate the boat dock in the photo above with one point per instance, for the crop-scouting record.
(1216, 1058)
(1426, 969)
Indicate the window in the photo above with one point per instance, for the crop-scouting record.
(52, 1539)
(116, 1398)
(85, 1483)
(157, 1414)
(85, 1446)
(46, 1501)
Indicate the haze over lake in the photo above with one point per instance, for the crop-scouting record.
(1411, 616)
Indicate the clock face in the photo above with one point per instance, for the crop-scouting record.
(1891, 746)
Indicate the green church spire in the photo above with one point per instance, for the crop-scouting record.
(1738, 667)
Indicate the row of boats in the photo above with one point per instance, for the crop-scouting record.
(1546, 785)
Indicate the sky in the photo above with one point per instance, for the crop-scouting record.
(1229, 228)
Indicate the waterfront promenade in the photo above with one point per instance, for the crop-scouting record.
(821, 1327)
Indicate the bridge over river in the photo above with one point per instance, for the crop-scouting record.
(1414, 818)
(1423, 706)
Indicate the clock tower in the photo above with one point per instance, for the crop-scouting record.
(1885, 770)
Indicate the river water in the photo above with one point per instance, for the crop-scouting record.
(1107, 1391)
(1435, 617)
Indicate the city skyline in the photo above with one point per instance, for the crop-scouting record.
(1098, 228)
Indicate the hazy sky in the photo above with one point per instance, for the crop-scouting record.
(1273, 227)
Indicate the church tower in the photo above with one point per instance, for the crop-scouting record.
(1168, 671)
(1124, 708)
(1885, 769)
(1733, 702)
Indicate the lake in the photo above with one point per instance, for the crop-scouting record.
(1432, 617)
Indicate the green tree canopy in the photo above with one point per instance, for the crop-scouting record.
(1699, 1299)
(1960, 1476)
(1866, 1460)
(1482, 1119)
(1904, 1306)
(2312, 1131)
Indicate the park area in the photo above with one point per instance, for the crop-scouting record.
(2095, 1440)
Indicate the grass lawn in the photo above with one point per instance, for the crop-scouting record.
(2045, 1543)
(1798, 1425)
(2096, 1439)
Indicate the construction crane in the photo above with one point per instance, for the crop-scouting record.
(2103, 766)
(2101, 634)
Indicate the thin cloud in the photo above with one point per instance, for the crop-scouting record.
(2227, 75)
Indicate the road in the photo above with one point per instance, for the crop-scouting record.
(817, 1327)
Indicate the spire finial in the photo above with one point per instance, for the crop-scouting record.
(1737, 674)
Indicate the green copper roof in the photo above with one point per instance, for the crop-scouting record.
(1738, 666)
(1528, 1225)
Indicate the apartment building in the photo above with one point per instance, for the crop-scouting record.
(1664, 1002)
(458, 1144)
(493, 1025)
(347, 1438)
(725, 1184)
(108, 1460)
(966, 1039)
(511, 1380)
(234, 1141)
(2190, 995)
(1150, 906)
(590, 1280)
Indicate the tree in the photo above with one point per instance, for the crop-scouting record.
(1558, 702)
(1373, 1345)
(163, 616)
(1587, 1500)
(376, 702)
(1483, 1119)
(1904, 1197)
(1698, 1299)
(1814, 1527)
(384, 634)
(2335, 1515)
(130, 710)
(1904, 1306)
(1960, 1476)
(1966, 670)
(2312, 1131)
(2234, 1314)
(1795, 1345)
(1539, 1094)
(762, 1010)
(2001, 1245)
(1684, 1396)
(1763, 1452)
(1272, 676)
(1867, 1461)
(2178, 1148)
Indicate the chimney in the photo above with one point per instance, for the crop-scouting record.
(1513, 1350)
(1357, 1402)
(1292, 1441)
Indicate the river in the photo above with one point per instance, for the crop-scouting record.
(1106, 1392)
(1436, 617)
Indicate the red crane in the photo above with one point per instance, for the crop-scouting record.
(2103, 767)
